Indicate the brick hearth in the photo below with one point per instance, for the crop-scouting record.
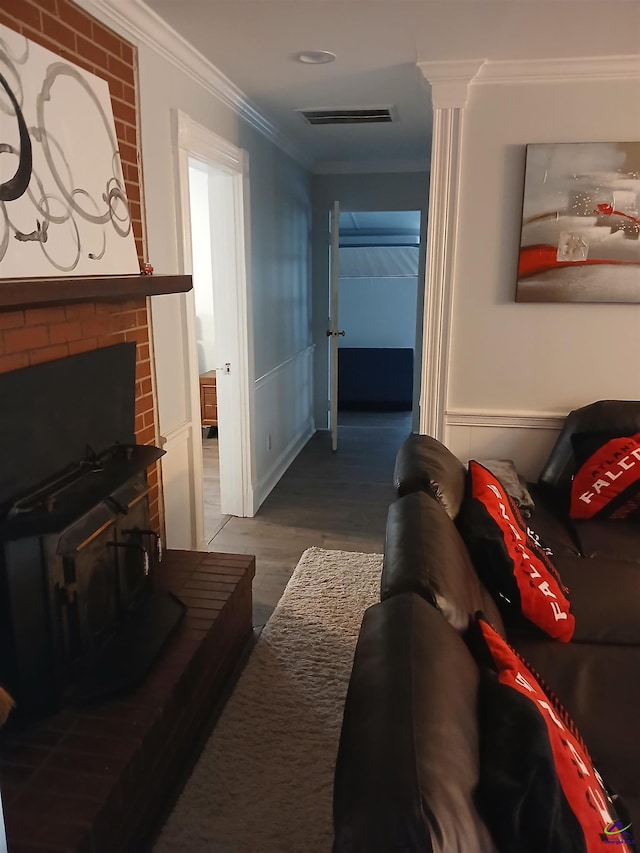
(97, 779)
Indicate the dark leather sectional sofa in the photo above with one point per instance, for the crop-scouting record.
(407, 772)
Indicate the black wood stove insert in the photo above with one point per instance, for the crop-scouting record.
(80, 618)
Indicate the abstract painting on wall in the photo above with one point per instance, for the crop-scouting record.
(580, 239)
(63, 205)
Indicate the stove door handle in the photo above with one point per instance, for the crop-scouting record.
(154, 533)
(138, 547)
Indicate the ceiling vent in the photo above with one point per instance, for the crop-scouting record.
(366, 115)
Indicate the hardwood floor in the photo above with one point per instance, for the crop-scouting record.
(213, 519)
(330, 500)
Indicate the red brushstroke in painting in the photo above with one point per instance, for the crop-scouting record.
(541, 258)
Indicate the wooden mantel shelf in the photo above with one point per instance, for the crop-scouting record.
(16, 293)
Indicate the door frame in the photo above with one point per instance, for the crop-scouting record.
(231, 296)
(419, 326)
(333, 332)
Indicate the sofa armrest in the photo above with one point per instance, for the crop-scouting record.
(619, 417)
(408, 759)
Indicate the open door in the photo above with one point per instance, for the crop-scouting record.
(332, 331)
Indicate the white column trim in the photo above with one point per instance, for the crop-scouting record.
(449, 88)
(450, 81)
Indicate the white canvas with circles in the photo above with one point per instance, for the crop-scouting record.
(63, 205)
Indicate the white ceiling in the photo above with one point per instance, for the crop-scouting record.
(377, 43)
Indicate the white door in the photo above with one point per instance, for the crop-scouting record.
(333, 331)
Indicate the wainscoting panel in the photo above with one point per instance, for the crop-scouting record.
(283, 419)
(525, 437)
(176, 478)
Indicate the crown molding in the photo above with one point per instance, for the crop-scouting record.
(585, 68)
(450, 80)
(141, 25)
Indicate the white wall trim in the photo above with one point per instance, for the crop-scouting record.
(183, 434)
(441, 234)
(177, 435)
(449, 96)
(450, 80)
(143, 26)
(270, 374)
(193, 137)
(283, 393)
(192, 140)
(505, 419)
(587, 69)
(273, 476)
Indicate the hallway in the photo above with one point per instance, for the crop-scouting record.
(330, 500)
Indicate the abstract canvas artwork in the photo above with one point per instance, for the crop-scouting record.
(63, 205)
(580, 239)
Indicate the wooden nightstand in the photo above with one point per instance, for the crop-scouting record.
(208, 399)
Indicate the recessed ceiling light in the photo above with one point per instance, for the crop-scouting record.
(315, 57)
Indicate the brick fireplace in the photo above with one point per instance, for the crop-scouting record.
(95, 772)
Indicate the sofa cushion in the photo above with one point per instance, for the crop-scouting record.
(538, 789)
(408, 759)
(605, 598)
(512, 565)
(616, 540)
(423, 463)
(550, 521)
(597, 685)
(424, 553)
(607, 481)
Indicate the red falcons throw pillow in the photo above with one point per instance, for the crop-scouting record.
(539, 791)
(509, 560)
(607, 484)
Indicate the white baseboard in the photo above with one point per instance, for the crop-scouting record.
(275, 473)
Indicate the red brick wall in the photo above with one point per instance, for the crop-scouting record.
(43, 334)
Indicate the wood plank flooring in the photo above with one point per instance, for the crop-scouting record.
(330, 500)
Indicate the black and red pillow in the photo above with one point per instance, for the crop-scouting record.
(539, 791)
(607, 481)
(507, 555)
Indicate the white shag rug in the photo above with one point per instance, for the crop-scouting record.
(264, 781)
